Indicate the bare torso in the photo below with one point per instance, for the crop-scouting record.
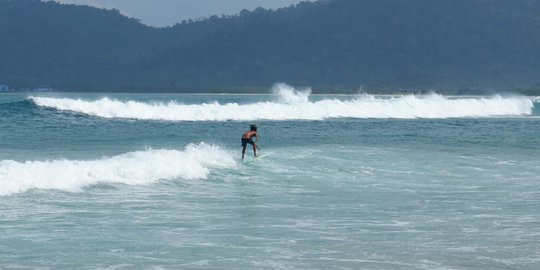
(250, 134)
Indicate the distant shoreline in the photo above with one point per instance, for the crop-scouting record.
(272, 94)
(340, 92)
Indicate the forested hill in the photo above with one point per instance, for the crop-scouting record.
(332, 45)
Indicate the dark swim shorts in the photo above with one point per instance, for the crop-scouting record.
(246, 141)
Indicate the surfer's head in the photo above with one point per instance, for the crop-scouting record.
(253, 127)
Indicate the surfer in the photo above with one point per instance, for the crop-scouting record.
(248, 138)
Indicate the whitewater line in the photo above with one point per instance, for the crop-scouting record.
(134, 168)
(291, 104)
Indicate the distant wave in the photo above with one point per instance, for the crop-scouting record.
(292, 104)
(18, 105)
(135, 168)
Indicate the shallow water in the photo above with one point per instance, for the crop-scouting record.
(154, 181)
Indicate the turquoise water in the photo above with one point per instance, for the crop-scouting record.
(155, 181)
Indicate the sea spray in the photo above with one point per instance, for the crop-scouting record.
(289, 95)
(134, 168)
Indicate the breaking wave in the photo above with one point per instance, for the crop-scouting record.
(134, 168)
(292, 104)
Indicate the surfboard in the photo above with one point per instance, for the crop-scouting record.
(257, 158)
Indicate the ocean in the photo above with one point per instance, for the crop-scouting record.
(155, 181)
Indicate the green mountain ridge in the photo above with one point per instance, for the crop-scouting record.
(385, 46)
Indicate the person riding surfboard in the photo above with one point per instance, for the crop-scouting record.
(248, 138)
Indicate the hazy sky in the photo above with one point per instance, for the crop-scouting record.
(168, 12)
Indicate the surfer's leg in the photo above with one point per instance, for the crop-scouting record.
(254, 150)
(244, 145)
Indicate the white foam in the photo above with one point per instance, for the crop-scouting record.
(295, 105)
(135, 168)
(287, 94)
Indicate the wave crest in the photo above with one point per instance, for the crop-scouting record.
(289, 95)
(134, 168)
(295, 105)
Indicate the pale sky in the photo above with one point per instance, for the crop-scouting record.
(168, 12)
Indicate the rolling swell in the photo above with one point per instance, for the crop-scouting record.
(536, 109)
(291, 104)
(20, 106)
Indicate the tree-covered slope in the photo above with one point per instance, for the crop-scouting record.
(329, 45)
